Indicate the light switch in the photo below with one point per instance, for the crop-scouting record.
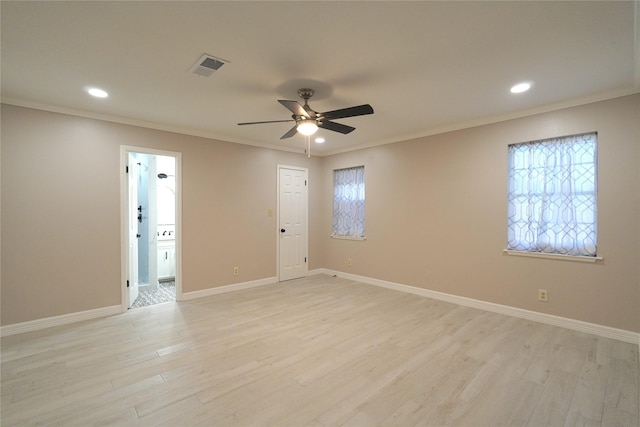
(269, 212)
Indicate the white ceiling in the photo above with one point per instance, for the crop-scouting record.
(425, 67)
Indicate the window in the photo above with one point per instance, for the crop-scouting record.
(552, 196)
(348, 203)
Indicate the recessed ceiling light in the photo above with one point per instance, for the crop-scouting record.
(98, 93)
(319, 140)
(521, 87)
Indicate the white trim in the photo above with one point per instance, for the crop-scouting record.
(557, 257)
(438, 130)
(64, 319)
(144, 124)
(435, 130)
(576, 325)
(335, 236)
(548, 319)
(636, 43)
(228, 288)
(326, 271)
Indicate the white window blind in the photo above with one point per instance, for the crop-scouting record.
(348, 202)
(552, 196)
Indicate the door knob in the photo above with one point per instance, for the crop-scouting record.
(282, 230)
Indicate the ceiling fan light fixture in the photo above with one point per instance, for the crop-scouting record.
(307, 127)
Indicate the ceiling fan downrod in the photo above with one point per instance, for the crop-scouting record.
(306, 93)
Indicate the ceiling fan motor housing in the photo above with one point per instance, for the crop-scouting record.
(305, 93)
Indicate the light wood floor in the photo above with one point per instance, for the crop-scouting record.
(319, 351)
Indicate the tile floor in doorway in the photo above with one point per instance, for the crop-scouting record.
(166, 292)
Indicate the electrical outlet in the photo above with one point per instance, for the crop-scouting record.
(236, 271)
(349, 262)
(543, 295)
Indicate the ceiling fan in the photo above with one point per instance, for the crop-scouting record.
(308, 121)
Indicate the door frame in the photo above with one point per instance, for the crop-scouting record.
(306, 171)
(132, 243)
(124, 206)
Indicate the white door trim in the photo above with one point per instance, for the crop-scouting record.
(133, 227)
(124, 202)
(306, 171)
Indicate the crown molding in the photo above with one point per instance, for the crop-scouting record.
(427, 132)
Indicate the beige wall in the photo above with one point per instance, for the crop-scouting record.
(61, 211)
(436, 217)
(436, 214)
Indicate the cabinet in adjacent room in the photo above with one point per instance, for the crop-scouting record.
(166, 259)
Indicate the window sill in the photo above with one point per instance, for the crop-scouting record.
(333, 236)
(590, 259)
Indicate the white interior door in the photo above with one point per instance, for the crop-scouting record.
(153, 222)
(292, 218)
(133, 231)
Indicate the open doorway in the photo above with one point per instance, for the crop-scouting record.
(151, 241)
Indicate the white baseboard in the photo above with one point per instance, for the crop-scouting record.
(549, 319)
(64, 319)
(228, 288)
(321, 271)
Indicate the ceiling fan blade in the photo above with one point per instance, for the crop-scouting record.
(336, 127)
(268, 121)
(295, 108)
(360, 110)
(291, 132)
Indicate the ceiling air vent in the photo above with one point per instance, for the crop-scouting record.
(207, 65)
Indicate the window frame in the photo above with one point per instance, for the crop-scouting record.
(534, 245)
(361, 199)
